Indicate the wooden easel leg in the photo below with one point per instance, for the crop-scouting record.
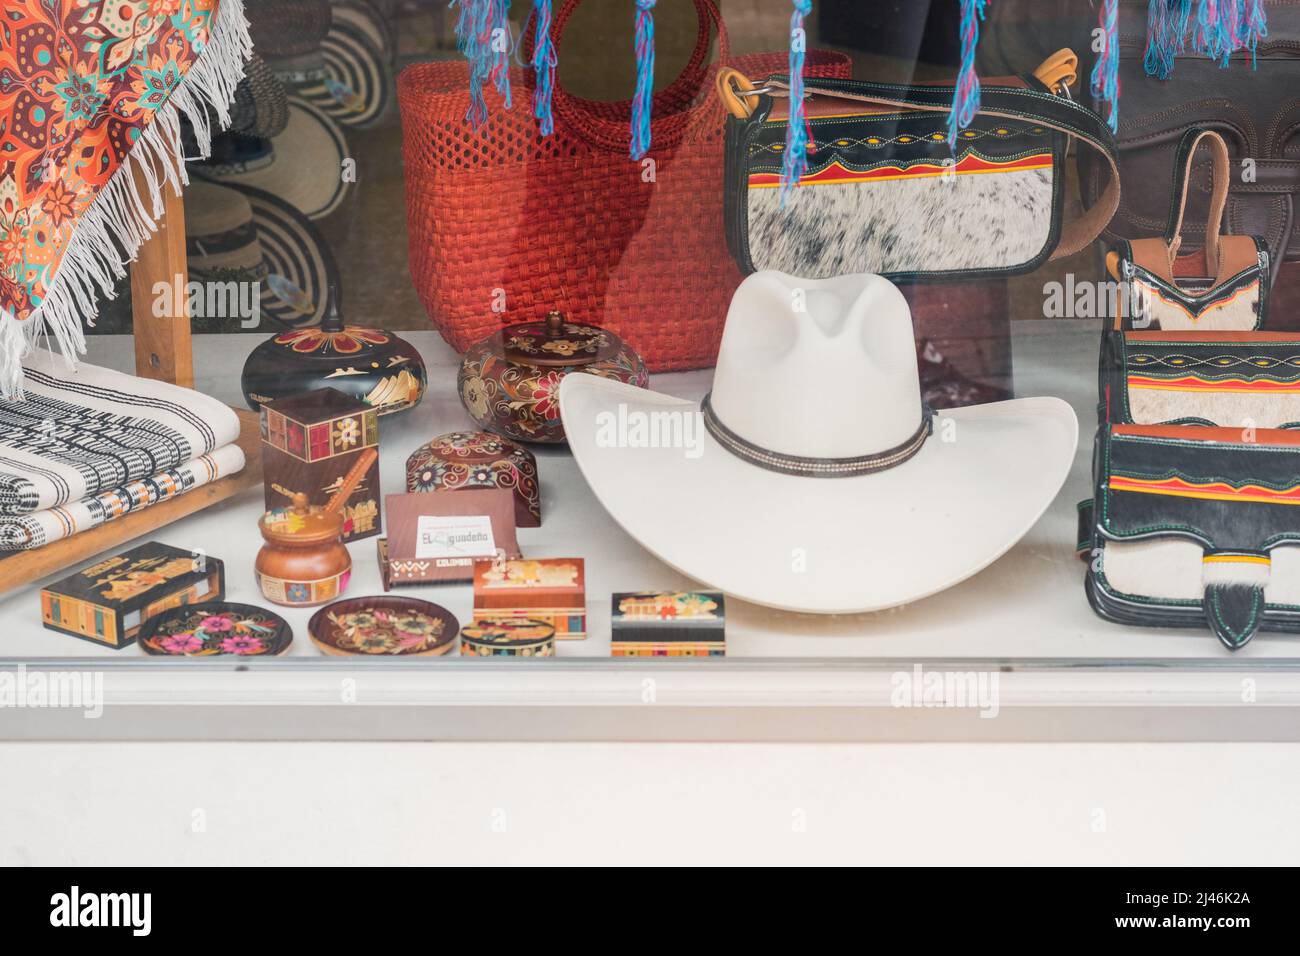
(161, 318)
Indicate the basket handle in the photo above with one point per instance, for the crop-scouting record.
(578, 111)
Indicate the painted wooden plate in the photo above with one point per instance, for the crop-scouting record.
(216, 628)
(384, 625)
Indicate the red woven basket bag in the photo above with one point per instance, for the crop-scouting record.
(505, 225)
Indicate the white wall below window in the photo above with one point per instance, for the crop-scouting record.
(645, 804)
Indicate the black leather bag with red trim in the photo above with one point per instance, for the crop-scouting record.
(885, 193)
(1235, 379)
(1195, 527)
(1222, 286)
(1256, 106)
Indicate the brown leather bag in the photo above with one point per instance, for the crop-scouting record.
(1221, 287)
(1256, 110)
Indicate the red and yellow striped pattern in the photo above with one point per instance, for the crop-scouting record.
(970, 165)
(1191, 383)
(1209, 491)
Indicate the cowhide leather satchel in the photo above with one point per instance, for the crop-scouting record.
(1256, 109)
(1235, 379)
(885, 193)
(1222, 286)
(1195, 527)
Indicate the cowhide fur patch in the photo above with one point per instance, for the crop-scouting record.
(1154, 406)
(935, 224)
(1239, 312)
(1172, 569)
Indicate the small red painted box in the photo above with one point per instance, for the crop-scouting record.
(552, 590)
(310, 442)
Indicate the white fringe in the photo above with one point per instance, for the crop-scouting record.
(123, 216)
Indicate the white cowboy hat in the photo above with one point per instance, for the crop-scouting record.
(811, 478)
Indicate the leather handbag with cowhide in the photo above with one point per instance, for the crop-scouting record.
(1195, 526)
(885, 192)
(1221, 287)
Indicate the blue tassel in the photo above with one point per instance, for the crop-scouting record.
(966, 98)
(645, 78)
(470, 28)
(1212, 37)
(1220, 28)
(543, 66)
(475, 26)
(1254, 26)
(1105, 75)
(500, 57)
(798, 135)
(1166, 35)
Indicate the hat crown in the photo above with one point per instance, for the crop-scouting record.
(818, 368)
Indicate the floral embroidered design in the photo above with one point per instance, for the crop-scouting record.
(237, 629)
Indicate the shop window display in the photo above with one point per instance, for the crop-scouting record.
(788, 308)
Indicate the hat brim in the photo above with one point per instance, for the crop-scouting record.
(305, 170)
(365, 17)
(357, 88)
(823, 545)
(295, 265)
(300, 266)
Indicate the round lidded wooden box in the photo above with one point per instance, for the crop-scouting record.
(303, 562)
(478, 460)
(510, 382)
(507, 637)
(371, 365)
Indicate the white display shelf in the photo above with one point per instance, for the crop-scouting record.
(1063, 672)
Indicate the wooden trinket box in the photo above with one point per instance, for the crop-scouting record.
(107, 602)
(437, 536)
(310, 442)
(478, 460)
(552, 590)
(668, 624)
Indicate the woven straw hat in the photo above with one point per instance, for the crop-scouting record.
(235, 234)
(302, 165)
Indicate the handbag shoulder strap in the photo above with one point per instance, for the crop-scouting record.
(1025, 103)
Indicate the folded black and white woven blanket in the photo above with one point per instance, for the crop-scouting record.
(23, 532)
(80, 432)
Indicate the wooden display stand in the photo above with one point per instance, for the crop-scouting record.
(162, 352)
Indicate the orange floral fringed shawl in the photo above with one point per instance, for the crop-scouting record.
(91, 97)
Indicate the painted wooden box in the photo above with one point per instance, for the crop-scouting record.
(107, 602)
(310, 441)
(551, 590)
(668, 624)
